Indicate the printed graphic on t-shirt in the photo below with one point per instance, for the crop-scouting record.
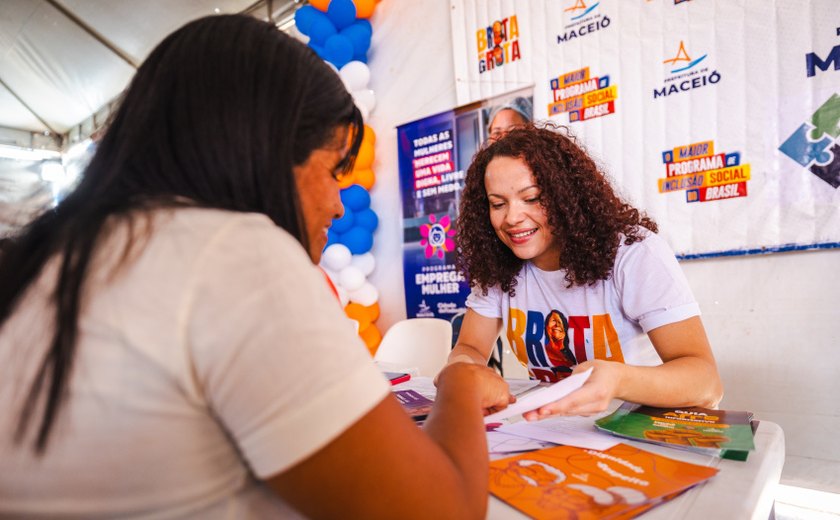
(542, 343)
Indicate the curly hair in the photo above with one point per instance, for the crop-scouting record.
(586, 215)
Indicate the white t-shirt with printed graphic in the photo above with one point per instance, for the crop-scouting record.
(608, 320)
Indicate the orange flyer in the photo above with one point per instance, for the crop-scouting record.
(577, 483)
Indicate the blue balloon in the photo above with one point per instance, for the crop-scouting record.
(304, 18)
(341, 13)
(359, 36)
(355, 197)
(339, 50)
(360, 57)
(321, 29)
(340, 225)
(365, 24)
(358, 240)
(366, 219)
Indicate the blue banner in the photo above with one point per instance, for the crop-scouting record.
(434, 154)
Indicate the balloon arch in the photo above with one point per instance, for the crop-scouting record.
(339, 31)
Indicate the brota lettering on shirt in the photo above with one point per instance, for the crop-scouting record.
(552, 327)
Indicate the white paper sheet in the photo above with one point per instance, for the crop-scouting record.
(571, 431)
(520, 386)
(426, 386)
(541, 397)
(500, 442)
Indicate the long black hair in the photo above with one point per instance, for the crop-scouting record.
(216, 117)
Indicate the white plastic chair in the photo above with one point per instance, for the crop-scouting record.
(421, 343)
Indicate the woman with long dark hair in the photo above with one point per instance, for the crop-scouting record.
(541, 232)
(168, 348)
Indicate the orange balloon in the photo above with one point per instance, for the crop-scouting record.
(372, 338)
(347, 180)
(359, 313)
(364, 315)
(373, 311)
(364, 8)
(370, 135)
(364, 178)
(365, 158)
(320, 5)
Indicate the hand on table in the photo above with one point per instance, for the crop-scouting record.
(591, 398)
(493, 391)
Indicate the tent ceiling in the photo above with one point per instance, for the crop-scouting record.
(62, 60)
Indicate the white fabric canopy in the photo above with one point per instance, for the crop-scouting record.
(54, 70)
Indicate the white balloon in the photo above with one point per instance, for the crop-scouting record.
(365, 112)
(365, 295)
(365, 262)
(343, 296)
(336, 257)
(351, 278)
(355, 75)
(365, 98)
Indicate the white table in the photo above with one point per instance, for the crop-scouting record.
(740, 490)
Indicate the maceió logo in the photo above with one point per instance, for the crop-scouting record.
(682, 56)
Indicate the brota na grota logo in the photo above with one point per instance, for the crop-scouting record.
(437, 236)
(685, 73)
(814, 144)
(498, 44)
(704, 175)
(582, 96)
(583, 20)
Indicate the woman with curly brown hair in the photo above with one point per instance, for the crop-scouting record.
(542, 233)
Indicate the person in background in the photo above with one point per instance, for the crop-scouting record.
(542, 230)
(516, 112)
(169, 349)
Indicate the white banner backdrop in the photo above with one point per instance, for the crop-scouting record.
(717, 117)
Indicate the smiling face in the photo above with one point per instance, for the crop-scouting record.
(554, 328)
(318, 191)
(517, 216)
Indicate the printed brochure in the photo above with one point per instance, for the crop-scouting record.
(569, 482)
(720, 433)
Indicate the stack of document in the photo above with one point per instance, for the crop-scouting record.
(505, 426)
(508, 433)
